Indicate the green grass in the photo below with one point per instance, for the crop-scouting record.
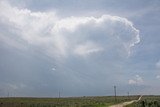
(147, 101)
(63, 102)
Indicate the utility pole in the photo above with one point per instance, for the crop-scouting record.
(59, 94)
(8, 94)
(128, 95)
(115, 93)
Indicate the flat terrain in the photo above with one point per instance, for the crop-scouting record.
(101, 101)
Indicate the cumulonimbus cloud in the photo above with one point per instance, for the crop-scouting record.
(55, 36)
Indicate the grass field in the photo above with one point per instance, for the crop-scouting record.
(64, 102)
(147, 101)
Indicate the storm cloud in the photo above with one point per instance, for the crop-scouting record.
(64, 36)
(75, 54)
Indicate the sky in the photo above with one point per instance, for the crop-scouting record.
(79, 47)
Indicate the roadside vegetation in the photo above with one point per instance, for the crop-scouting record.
(147, 101)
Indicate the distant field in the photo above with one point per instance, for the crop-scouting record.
(147, 101)
(64, 102)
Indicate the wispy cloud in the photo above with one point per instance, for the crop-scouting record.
(53, 69)
(87, 48)
(158, 64)
(137, 80)
(158, 76)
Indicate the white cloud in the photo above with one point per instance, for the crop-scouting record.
(53, 69)
(158, 76)
(136, 81)
(14, 86)
(87, 48)
(132, 81)
(158, 64)
(61, 37)
(139, 79)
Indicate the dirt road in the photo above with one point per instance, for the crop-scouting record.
(126, 103)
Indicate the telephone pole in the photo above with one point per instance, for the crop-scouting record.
(59, 94)
(8, 94)
(128, 95)
(115, 93)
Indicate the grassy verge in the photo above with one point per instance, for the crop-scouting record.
(147, 101)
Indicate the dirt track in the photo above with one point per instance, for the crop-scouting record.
(126, 103)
